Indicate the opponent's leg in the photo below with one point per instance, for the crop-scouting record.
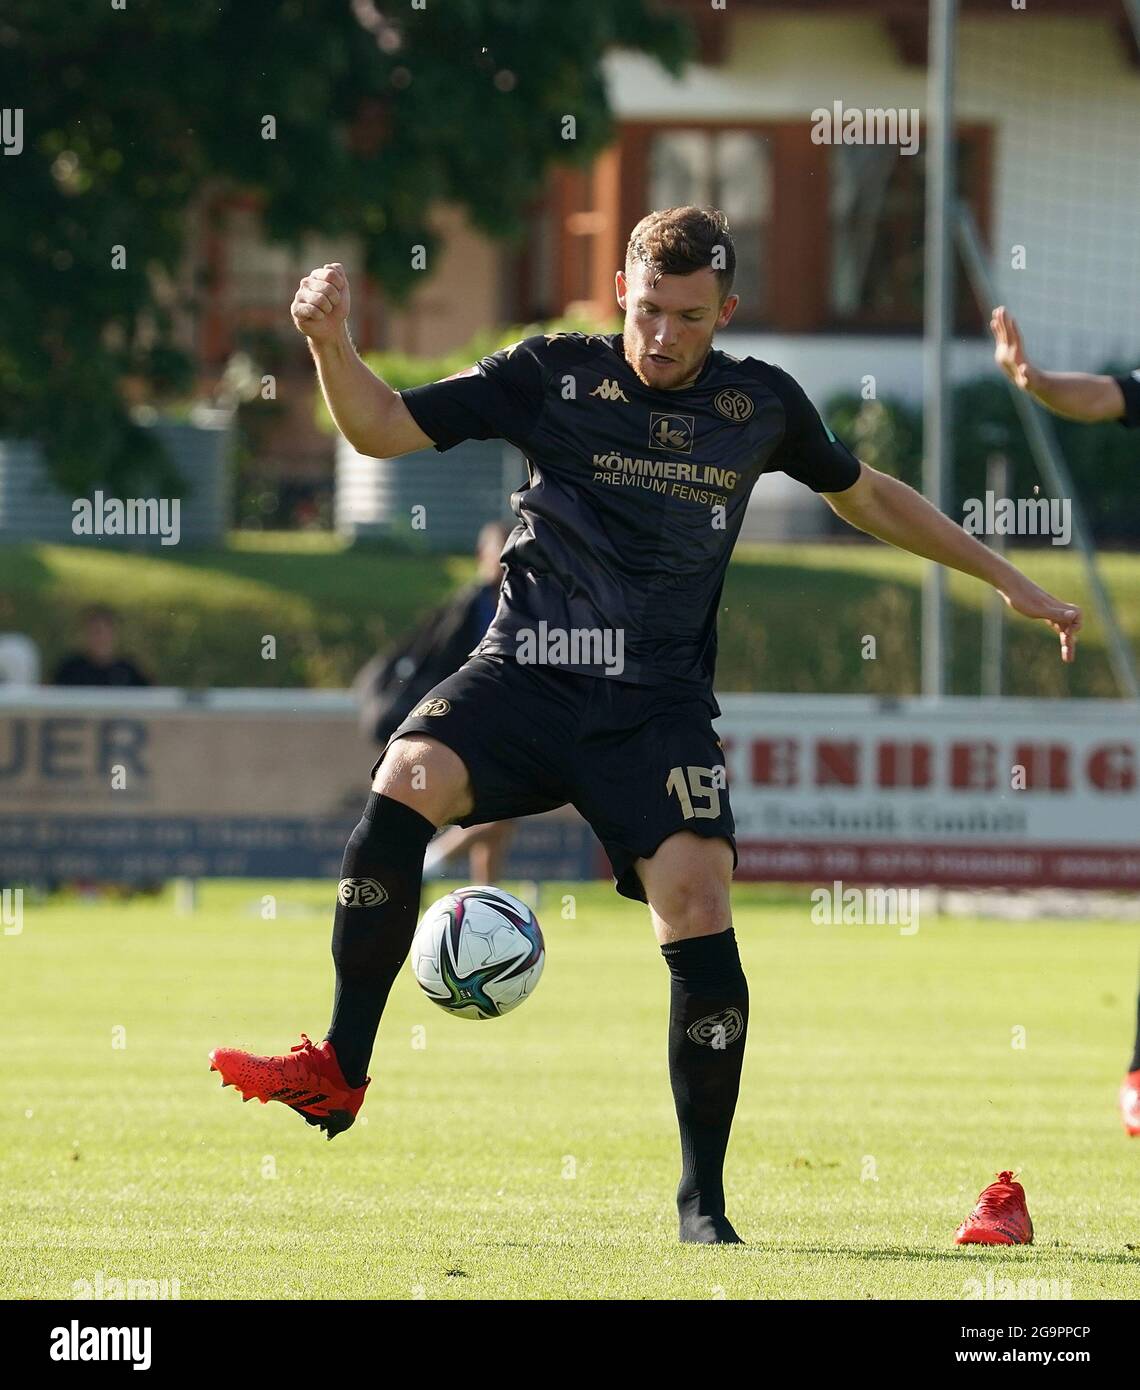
(687, 885)
(485, 845)
(488, 851)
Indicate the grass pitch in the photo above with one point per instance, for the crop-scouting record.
(536, 1156)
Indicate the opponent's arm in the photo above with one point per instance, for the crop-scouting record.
(1075, 395)
(886, 508)
(369, 414)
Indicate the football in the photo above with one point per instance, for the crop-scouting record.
(478, 952)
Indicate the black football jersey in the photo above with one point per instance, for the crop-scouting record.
(635, 497)
(1130, 385)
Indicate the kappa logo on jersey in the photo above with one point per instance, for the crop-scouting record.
(673, 432)
(431, 707)
(609, 390)
(734, 405)
(361, 892)
(718, 1030)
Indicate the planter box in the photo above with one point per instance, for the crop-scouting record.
(459, 491)
(33, 509)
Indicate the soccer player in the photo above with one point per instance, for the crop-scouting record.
(1077, 396)
(594, 682)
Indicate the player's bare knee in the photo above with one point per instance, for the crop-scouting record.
(427, 776)
(692, 908)
(688, 884)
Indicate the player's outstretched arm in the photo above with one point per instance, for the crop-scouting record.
(883, 507)
(1075, 395)
(369, 414)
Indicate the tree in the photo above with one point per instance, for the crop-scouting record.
(342, 115)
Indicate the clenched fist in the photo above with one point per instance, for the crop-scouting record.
(320, 306)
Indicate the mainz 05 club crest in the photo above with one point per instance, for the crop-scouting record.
(361, 892)
(718, 1030)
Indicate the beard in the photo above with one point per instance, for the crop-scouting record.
(663, 377)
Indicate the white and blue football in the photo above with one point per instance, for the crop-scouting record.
(478, 952)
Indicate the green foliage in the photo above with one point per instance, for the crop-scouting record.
(196, 618)
(130, 116)
(402, 370)
(1102, 459)
(886, 433)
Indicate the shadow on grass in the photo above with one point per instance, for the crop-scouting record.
(976, 1254)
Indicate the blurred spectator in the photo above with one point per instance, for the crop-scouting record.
(98, 661)
(393, 683)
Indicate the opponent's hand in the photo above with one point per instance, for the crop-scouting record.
(1027, 598)
(1009, 350)
(320, 306)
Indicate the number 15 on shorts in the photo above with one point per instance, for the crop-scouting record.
(698, 790)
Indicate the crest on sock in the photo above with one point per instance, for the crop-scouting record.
(361, 892)
(718, 1030)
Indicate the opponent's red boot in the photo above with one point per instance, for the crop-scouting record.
(1130, 1103)
(999, 1218)
(308, 1080)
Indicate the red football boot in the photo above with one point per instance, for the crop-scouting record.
(1000, 1217)
(1130, 1103)
(308, 1080)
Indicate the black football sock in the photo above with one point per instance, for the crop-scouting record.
(708, 1024)
(378, 902)
(1134, 1065)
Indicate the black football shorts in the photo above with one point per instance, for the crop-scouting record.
(638, 762)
